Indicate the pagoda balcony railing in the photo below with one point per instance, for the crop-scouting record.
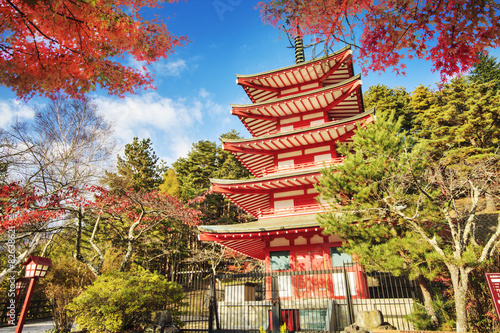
(290, 129)
(302, 166)
(295, 210)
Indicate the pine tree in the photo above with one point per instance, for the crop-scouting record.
(461, 121)
(395, 186)
(486, 70)
(387, 100)
(138, 170)
(195, 170)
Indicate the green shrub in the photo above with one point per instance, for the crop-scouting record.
(121, 301)
(444, 309)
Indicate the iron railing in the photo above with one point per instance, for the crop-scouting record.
(302, 166)
(320, 301)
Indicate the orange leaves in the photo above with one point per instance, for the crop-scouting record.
(71, 46)
(449, 33)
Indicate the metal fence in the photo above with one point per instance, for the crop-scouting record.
(195, 312)
(320, 301)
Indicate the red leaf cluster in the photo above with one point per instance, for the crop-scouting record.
(146, 209)
(48, 46)
(21, 206)
(448, 33)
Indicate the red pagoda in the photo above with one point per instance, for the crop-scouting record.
(297, 117)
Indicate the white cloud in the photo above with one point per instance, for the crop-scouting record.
(170, 68)
(203, 93)
(12, 110)
(162, 67)
(172, 125)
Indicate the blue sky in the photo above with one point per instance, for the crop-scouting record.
(196, 84)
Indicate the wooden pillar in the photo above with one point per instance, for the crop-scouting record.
(26, 306)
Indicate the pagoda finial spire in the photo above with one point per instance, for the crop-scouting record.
(299, 50)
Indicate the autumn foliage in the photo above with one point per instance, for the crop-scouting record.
(448, 33)
(48, 46)
(144, 210)
(21, 206)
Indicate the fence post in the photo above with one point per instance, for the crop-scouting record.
(211, 304)
(216, 307)
(275, 307)
(348, 296)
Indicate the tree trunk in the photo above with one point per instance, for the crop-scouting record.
(460, 280)
(422, 283)
(94, 268)
(128, 254)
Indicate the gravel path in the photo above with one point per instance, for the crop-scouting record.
(34, 326)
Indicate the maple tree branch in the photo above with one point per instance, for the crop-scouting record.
(96, 269)
(73, 17)
(23, 15)
(7, 49)
(117, 218)
(94, 245)
(34, 42)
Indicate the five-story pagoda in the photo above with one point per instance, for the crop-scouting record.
(297, 117)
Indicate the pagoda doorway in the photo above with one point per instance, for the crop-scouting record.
(311, 285)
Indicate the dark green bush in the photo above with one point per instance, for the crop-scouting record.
(123, 301)
(444, 311)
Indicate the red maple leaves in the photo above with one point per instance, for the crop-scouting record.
(21, 206)
(145, 210)
(448, 33)
(73, 46)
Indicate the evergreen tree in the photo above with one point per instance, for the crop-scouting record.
(486, 70)
(138, 170)
(195, 170)
(461, 121)
(422, 99)
(387, 100)
(206, 160)
(395, 186)
(382, 243)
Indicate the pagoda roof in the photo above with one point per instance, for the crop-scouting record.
(327, 70)
(248, 238)
(254, 195)
(341, 100)
(257, 154)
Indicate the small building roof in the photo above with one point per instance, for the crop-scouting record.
(39, 261)
(263, 225)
